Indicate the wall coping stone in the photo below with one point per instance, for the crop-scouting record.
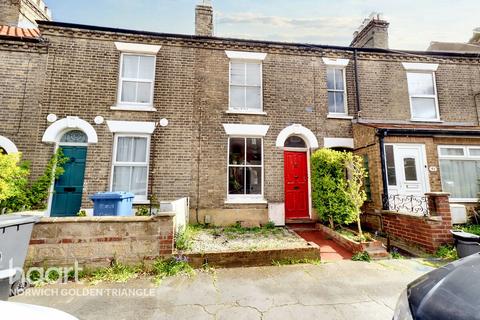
(106, 219)
(437, 194)
(406, 214)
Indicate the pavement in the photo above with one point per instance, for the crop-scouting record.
(333, 290)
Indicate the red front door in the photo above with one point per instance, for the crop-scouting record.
(296, 185)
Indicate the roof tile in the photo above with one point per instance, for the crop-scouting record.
(9, 31)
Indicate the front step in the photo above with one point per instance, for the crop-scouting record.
(297, 221)
(301, 224)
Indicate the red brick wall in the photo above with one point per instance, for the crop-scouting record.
(426, 232)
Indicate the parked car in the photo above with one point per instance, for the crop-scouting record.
(449, 292)
(21, 311)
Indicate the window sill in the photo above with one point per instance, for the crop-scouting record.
(427, 120)
(257, 113)
(127, 107)
(463, 200)
(246, 201)
(141, 201)
(339, 116)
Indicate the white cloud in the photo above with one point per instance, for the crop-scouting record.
(324, 29)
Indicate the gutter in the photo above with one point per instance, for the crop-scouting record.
(252, 42)
(426, 132)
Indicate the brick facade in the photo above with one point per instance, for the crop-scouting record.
(74, 70)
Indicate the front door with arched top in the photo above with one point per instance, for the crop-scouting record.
(296, 178)
(68, 188)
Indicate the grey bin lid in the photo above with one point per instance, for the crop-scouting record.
(111, 196)
(10, 220)
(462, 235)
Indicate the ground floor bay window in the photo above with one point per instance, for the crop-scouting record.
(460, 171)
(130, 165)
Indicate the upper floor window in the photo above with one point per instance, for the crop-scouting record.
(136, 76)
(245, 82)
(422, 91)
(136, 79)
(336, 87)
(336, 90)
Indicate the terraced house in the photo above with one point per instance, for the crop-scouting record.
(232, 123)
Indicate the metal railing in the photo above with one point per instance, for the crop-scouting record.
(413, 204)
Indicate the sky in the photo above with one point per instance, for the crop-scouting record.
(413, 23)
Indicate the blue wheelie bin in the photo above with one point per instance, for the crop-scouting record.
(112, 203)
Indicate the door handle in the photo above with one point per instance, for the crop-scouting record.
(69, 189)
(296, 188)
(296, 177)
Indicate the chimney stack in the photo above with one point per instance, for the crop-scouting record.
(23, 13)
(476, 37)
(373, 33)
(204, 19)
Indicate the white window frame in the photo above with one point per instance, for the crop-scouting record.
(425, 68)
(245, 198)
(345, 102)
(245, 110)
(336, 63)
(139, 199)
(135, 106)
(466, 156)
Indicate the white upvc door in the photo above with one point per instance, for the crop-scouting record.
(407, 177)
(410, 176)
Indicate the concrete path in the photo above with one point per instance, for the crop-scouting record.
(336, 290)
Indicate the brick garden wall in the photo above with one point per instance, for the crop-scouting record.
(96, 241)
(427, 233)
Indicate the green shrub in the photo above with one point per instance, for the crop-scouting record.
(16, 192)
(361, 256)
(470, 228)
(13, 182)
(184, 239)
(337, 192)
(142, 211)
(81, 213)
(170, 267)
(446, 252)
(117, 272)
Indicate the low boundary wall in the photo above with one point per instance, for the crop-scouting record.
(96, 241)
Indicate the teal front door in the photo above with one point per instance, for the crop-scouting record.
(68, 189)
